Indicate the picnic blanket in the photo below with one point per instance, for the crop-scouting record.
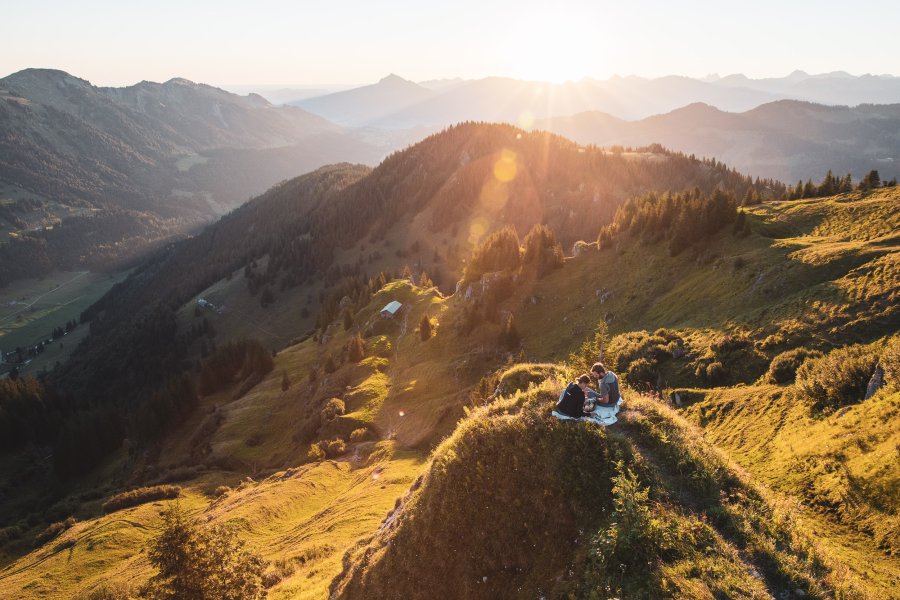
(601, 415)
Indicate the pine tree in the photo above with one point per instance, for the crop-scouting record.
(202, 563)
(425, 328)
(509, 335)
(356, 348)
(285, 381)
(425, 281)
(348, 320)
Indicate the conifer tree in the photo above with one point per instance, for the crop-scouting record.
(425, 281)
(425, 328)
(356, 349)
(285, 381)
(509, 335)
(202, 563)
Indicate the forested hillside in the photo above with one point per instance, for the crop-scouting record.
(94, 177)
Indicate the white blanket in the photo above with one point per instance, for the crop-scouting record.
(602, 415)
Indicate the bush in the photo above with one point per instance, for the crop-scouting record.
(332, 409)
(890, 362)
(221, 490)
(315, 453)
(335, 447)
(783, 368)
(53, 530)
(141, 496)
(359, 435)
(838, 378)
(8, 534)
(642, 372)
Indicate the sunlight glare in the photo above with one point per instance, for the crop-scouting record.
(505, 168)
(554, 47)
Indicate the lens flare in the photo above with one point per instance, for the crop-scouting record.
(526, 120)
(494, 195)
(477, 228)
(505, 168)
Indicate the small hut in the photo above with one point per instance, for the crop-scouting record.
(391, 309)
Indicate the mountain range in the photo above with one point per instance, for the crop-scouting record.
(160, 158)
(398, 103)
(787, 140)
(788, 128)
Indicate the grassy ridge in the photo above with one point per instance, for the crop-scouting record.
(518, 504)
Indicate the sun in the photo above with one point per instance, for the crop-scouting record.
(553, 47)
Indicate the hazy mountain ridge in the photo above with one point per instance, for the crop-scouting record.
(787, 140)
(629, 97)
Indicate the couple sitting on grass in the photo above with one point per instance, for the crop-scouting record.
(579, 402)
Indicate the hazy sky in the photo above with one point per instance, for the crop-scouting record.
(226, 42)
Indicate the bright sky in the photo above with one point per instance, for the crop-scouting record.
(226, 42)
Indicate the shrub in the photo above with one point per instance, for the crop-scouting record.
(783, 368)
(890, 362)
(641, 372)
(201, 563)
(838, 378)
(332, 409)
(715, 372)
(53, 530)
(315, 453)
(220, 491)
(141, 496)
(359, 435)
(335, 447)
(7, 534)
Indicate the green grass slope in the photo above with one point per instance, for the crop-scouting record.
(799, 277)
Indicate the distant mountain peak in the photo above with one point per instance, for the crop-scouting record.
(180, 81)
(798, 75)
(393, 78)
(55, 75)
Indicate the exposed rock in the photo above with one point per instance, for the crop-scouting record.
(875, 383)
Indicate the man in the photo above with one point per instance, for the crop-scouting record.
(608, 395)
(571, 401)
